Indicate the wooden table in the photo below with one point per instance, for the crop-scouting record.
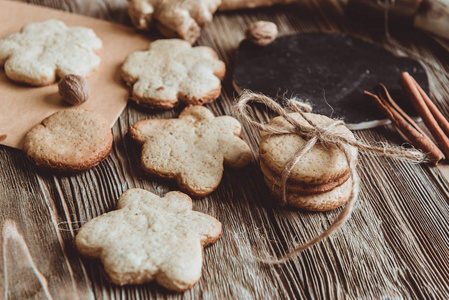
(395, 245)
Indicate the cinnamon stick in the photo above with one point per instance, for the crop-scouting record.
(405, 124)
(427, 110)
(441, 120)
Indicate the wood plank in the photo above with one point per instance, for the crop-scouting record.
(29, 232)
(394, 246)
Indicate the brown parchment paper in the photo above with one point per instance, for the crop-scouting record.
(22, 107)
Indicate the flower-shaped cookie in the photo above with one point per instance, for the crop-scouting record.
(191, 149)
(174, 18)
(150, 238)
(172, 71)
(44, 51)
(184, 18)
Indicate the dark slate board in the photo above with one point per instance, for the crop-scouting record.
(341, 66)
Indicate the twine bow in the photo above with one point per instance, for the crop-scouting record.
(313, 134)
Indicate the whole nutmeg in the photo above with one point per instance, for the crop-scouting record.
(261, 33)
(73, 89)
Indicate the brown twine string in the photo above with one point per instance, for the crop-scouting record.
(314, 134)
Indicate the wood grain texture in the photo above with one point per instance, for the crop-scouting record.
(395, 245)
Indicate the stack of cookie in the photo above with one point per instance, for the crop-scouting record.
(321, 180)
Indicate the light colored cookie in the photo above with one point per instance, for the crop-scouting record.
(302, 188)
(316, 202)
(184, 18)
(45, 51)
(243, 4)
(320, 165)
(172, 71)
(191, 149)
(174, 18)
(69, 141)
(149, 238)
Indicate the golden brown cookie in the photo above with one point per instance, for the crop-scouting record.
(303, 188)
(320, 165)
(69, 141)
(184, 18)
(191, 149)
(174, 18)
(45, 51)
(149, 238)
(317, 202)
(321, 179)
(173, 71)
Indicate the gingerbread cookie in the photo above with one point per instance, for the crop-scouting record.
(149, 238)
(172, 71)
(317, 201)
(174, 18)
(184, 18)
(321, 179)
(69, 141)
(192, 148)
(303, 188)
(318, 166)
(45, 51)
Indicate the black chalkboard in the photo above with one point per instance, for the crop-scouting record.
(328, 70)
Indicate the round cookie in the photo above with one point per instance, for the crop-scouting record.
(69, 141)
(317, 202)
(320, 165)
(303, 188)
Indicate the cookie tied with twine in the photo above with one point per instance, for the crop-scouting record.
(321, 181)
(314, 133)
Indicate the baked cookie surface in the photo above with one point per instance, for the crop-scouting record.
(150, 238)
(174, 18)
(303, 188)
(321, 179)
(320, 165)
(191, 149)
(45, 51)
(316, 202)
(69, 141)
(173, 71)
(184, 18)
